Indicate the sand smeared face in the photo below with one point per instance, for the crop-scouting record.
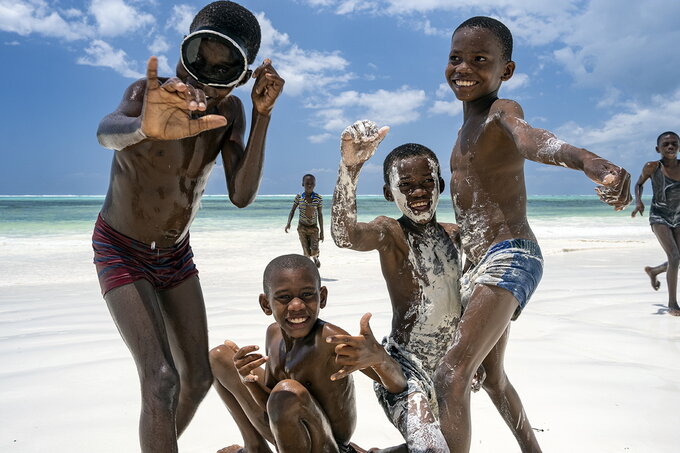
(414, 184)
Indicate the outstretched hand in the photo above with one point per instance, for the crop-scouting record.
(166, 114)
(614, 188)
(246, 362)
(359, 142)
(355, 353)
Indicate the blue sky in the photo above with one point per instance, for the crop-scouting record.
(601, 74)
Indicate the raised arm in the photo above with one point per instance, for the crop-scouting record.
(358, 143)
(243, 164)
(155, 111)
(647, 172)
(540, 145)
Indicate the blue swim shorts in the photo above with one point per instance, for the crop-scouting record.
(515, 265)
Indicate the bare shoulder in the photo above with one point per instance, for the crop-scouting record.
(650, 167)
(231, 106)
(506, 107)
(331, 329)
(385, 222)
(452, 229)
(273, 331)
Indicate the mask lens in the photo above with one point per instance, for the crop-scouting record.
(212, 59)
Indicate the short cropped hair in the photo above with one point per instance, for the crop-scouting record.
(309, 174)
(292, 261)
(402, 152)
(234, 21)
(666, 133)
(500, 31)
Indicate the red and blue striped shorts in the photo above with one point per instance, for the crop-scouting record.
(121, 260)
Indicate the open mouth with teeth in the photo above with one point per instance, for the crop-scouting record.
(419, 206)
(297, 322)
(464, 83)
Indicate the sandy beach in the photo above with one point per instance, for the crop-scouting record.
(594, 356)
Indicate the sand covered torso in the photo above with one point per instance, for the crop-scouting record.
(433, 315)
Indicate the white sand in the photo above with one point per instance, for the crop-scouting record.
(594, 358)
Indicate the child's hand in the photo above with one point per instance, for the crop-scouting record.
(268, 86)
(356, 353)
(614, 182)
(359, 142)
(245, 363)
(639, 209)
(166, 114)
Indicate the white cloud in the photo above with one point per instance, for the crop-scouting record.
(622, 136)
(100, 53)
(304, 71)
(451, 108)
(518, 80)
(320, 138)
(382, 106)
(36, 16)
(181, 18)
(116, 18)
(159, 45)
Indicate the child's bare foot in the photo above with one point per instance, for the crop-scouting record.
(317, 262)
(674, 310)
(652, 277)
(231, 449)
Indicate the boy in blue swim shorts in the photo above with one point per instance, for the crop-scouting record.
(421, 263)
(489, 200)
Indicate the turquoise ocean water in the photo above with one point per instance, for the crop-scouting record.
(22, 216)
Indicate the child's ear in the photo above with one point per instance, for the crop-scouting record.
(509, 71)
(387, 192)
(442, 186)
(657, 149)
(323, 294)
(264, 305)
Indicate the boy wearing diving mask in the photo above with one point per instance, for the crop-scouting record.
(167, 135)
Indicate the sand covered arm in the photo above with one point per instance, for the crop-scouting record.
(540, 145)
(358, 143)
(151, 110)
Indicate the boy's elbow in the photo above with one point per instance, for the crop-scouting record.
(241, 200)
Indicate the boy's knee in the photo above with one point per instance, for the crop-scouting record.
(286, 397)
(161, 386)
(223, 355)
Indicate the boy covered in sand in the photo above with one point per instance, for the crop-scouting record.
(489, 198)
(421, 263)
(664, 213)
(310, 219)
(292, 403)
(167, 134)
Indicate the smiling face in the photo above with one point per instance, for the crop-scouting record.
(667, 146)
(415, 187)
(294, 298)
(476, 65)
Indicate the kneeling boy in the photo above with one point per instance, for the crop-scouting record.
(291, 403)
